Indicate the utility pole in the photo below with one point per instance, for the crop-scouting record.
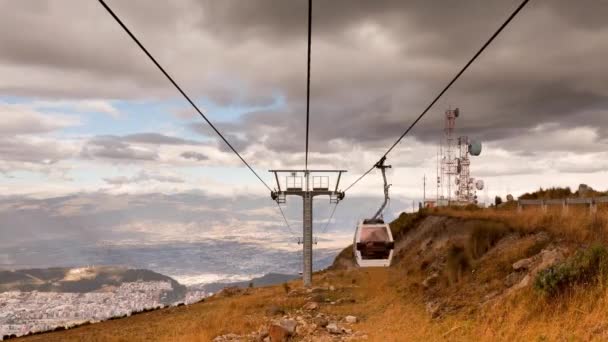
(424, 191)
(298, 183)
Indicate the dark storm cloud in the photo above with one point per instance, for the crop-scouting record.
(499, 95)
(142, 177)
(375, 65)
(70, 46)
(158, 139)
(133, 146)
(16, 149)
(286, 21)
(111, 148)
(233, 132)
(194, 155)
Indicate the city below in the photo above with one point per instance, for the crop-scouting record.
(25, 312)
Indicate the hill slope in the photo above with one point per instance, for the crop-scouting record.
(456, 276)
(265, 280)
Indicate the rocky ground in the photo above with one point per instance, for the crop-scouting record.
(308, 323)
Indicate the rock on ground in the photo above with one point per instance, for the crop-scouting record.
(275, 310)
(277, 333)
(289, 325)
(333, 328)
(433, 308)
(227, 338)
(524, 264)
(545, 259)
(310, 306)
(431, 280)
(320, 321)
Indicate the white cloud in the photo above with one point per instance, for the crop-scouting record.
(84, 106)
(143, 177)
(23, 119)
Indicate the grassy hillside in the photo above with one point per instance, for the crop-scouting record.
(461, 275)
(265, 280)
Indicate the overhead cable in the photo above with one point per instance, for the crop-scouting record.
(285, 219)
(456, 77)
(126, 29)
(331, 216)
(308, 80)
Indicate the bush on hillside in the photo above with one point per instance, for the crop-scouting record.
(550, 193)
(286, 288)
(406, 222)
(497, 201)
(484, 236)
(468, 207)
(586, 266)
(457, 262)
(561, 193)
(507, 206)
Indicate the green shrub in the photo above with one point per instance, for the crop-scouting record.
(586, 266)
(535, 248)
(406, 222)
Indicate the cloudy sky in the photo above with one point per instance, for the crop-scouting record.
(83, 111)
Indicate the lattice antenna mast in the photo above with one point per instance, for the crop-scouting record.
(466, 191)
(448, 162)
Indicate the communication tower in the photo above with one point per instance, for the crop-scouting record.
(454, 158)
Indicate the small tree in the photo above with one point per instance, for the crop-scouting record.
(497, 201)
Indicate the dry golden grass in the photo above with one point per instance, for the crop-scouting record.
(391, 304)
(577, 225)
(390, 310)
(199, 322)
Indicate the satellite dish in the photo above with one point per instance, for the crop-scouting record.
(479, 184)
(475, 148)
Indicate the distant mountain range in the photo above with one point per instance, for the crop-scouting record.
(104, 278)
(82, 280)
(266, 280)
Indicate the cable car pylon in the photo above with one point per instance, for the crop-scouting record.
(298, 183)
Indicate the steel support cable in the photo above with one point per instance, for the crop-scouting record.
(126, 29)
(331, 216)
(308, 80)
(285, 219)
(479, 52)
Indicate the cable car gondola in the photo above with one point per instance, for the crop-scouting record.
(373, 243)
